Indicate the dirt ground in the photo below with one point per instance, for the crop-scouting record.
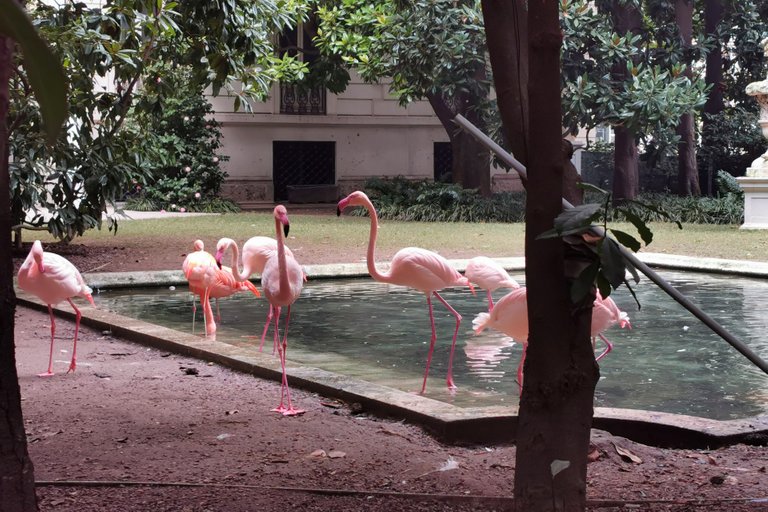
(134, 414)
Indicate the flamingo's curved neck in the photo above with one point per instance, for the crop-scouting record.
(371, 255)
(239, 271)
(281, 266)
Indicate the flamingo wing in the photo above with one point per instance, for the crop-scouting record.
(488, 274)
(423, 270)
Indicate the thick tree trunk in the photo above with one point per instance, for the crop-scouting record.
(471, 166)
(507, 30)
(626, 18)
(687, 169)
(560, 372)
(17, 478)
(713, 15)
(625, 158)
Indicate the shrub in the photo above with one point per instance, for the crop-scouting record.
(402, 199)
(182, 140)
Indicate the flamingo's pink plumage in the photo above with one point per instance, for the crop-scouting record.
(282, 280)
(488, 275)
(53, 279)
(416, 268)
(199, 268)
(510, 316)
(256, 251)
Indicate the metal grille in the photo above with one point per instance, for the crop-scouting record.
(443, 161)
(302, 100)
(302, 163)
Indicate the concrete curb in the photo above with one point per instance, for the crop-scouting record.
(446, 421)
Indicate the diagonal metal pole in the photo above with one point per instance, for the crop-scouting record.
(645, 269)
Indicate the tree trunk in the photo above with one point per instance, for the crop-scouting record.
(626, 18)
(625, 158)
(507, 30)
(471, 167)
(713, 15)
(556, 405)
(687, 169)
(17, 478)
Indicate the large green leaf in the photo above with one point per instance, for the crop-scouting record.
(43, 68)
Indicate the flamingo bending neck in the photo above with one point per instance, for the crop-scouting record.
(371, 254)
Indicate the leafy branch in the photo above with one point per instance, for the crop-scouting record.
(589, 223)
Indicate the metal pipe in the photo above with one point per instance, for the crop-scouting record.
(645, 269)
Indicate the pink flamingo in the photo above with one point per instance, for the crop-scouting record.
(489, 275)
(282, 280)
(53, 279)
(416, 268)
(199, 269)
(510, 316)
(256, 251)
(606, 313)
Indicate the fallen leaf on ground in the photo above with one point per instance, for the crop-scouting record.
(318, 454)
(627, 454)
(336, 454)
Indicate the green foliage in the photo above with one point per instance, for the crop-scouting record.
(424, 47)
(727, 185)
(182, 141)
(726, 209)
(46, 77)
(609, 267)
(107, 52)
(403, 199)
(656, 92)
(733, 139)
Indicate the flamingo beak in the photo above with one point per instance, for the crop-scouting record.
(218, 257)
(286, 228)
(340, 207)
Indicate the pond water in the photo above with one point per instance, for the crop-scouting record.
(668, 361)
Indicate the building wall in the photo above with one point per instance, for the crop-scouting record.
(374, 137)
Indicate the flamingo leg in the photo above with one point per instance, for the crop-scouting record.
(194, 312)
(490, 300)
(218, 313)
(290, 410)
(520, 368)
(431, 343)
(73, 362)
(264, 333)
(210, 323)
(608, 347)
(50, 355)
(449, 379)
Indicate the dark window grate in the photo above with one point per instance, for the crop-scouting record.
(302, 163)
(443, 161)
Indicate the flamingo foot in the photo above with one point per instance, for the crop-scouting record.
(72, 366)
(288, 411)
(46, 374)
(451, 385)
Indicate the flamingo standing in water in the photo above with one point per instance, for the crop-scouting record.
(282, 281)
(488, 275)
(416, 268)
(199, 267)
(256, 251)
(52, 278)
(510, 316)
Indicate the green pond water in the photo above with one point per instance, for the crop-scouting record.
(667, 362)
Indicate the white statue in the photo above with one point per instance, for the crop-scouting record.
(759, 168)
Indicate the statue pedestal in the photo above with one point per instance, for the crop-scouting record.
(755, 202)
